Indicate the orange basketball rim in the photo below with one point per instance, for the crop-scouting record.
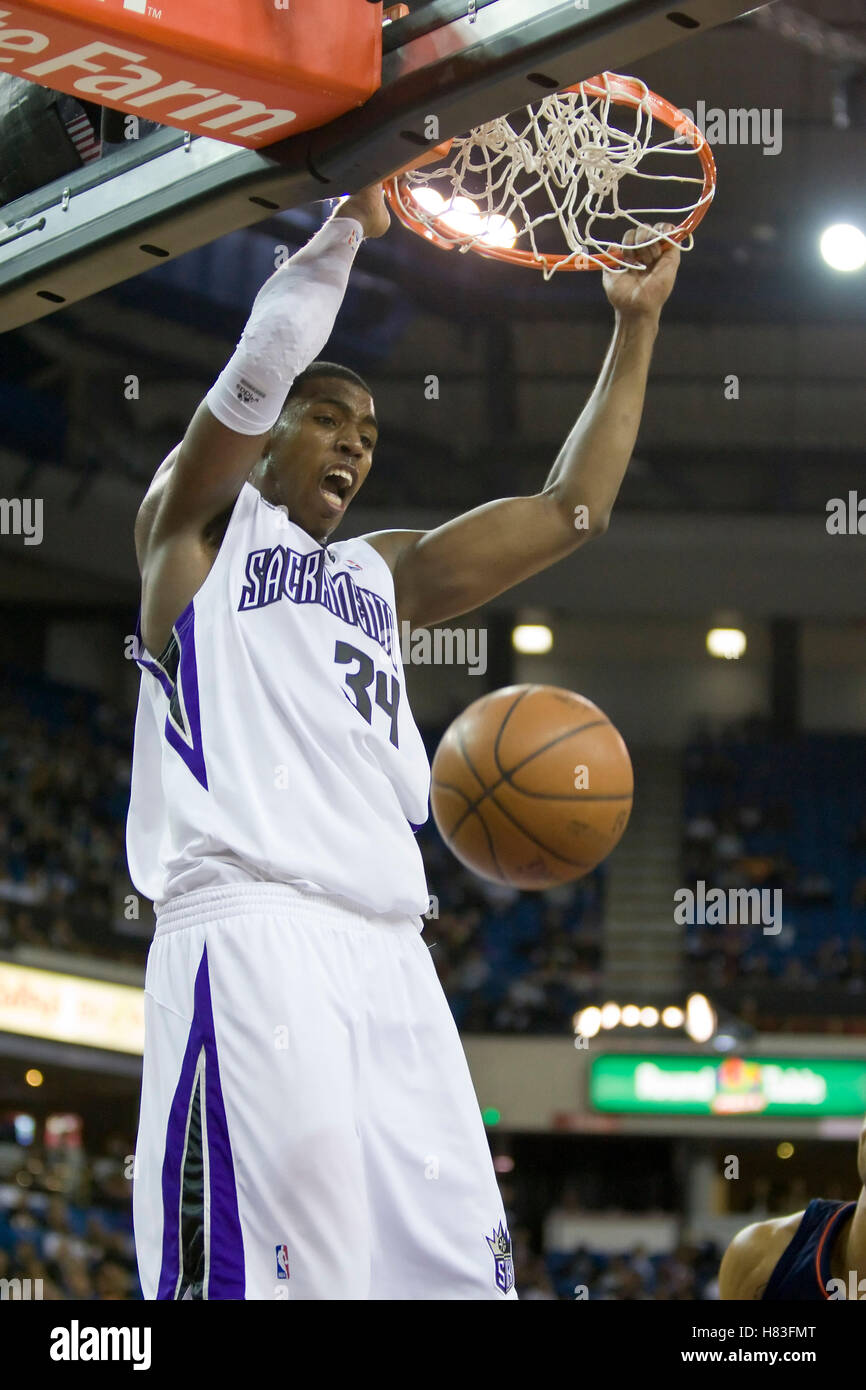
(589, 143)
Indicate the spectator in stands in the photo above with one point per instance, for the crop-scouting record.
(60, 1238)
(61, 936)
(534, 1282)
(22, 1219)
(473, 973)
(815, 887)
(112, 1171)
(700, 830)
(112, 1281)
(749, 818)
(75, 1278)
(728, 844)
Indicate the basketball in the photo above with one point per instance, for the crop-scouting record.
(532, 786)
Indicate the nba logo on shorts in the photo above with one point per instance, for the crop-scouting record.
(282, 1262)
(500, 1244)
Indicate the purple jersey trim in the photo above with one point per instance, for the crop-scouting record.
(186, 684)
(145, 664)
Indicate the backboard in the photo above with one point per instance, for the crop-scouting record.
(446, 67)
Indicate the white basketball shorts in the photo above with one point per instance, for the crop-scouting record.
(308, 1127)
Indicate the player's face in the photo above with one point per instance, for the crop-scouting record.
(319, 462)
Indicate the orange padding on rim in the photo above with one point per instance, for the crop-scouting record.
(244, 72)
(627, 91)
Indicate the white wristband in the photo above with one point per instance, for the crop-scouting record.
(292, 318)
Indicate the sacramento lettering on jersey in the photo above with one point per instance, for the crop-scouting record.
(301, 577)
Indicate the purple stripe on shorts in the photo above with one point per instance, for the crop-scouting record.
(226, 1265)
(187, 682)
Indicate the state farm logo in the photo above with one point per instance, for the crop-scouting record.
(117, 75)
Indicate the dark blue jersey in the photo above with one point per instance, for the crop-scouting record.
(803, 1271)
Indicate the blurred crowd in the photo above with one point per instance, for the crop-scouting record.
(79, 1242)
(68, 1224)
(784, 820)
(554, 1260)
(64, 789)
(688, 1272)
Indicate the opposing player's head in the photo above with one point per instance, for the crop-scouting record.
(321, 448)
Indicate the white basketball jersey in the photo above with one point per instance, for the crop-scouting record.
(273, 739)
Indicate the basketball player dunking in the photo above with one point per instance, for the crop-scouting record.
(308, 1125)
(816, 1254)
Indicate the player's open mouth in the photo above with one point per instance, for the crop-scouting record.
(336, 486)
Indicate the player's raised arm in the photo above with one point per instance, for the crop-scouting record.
(292, 318)
(442, 573)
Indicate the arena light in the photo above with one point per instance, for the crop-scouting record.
(499, 231)
(430, 199)
(462, 216)
(785, 1150)
(532, 639)
(700, 1020)
(503, 1163)
(25, 1130)
(34, 1077)
(843, 247)
(727, 642)
(588, 1022)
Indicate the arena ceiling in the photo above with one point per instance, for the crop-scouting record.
(514, 357)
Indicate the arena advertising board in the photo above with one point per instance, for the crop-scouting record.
(656, 1084)
(71, 1009)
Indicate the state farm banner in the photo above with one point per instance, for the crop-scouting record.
(71, 1009)
(247, 73)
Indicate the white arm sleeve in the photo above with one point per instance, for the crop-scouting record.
(292, 318)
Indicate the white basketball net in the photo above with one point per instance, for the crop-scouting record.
(563, 149)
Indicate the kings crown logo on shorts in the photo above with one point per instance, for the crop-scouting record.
(282, 1261)
(500, 1245)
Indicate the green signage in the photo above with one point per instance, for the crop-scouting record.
(677, 1085)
